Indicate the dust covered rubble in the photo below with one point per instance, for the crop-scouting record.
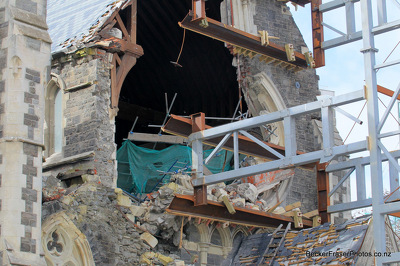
(123, 231)
(243, 195)
(118, 232)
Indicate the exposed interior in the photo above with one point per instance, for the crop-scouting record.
(206, 82)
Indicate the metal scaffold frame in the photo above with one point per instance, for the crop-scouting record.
(292, 158)
(378, 152)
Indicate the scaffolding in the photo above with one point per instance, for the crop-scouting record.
(378, 151)
(291, 158)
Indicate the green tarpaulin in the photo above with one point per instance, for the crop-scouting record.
(141, 169)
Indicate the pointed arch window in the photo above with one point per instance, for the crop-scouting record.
(53, 129)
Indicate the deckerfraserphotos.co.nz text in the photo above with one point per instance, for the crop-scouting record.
(347, 254)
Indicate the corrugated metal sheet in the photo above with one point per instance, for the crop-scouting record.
(73, 22)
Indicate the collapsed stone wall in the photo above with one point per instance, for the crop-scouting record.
(87, 124)
(92, 208)
(123, 231)
(271, 87)
(282, 88)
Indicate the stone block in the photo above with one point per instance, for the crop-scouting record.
(124, 201)
(83, 209)
(179, 263)
(131, 217)
(66, 200)
(90, 178)
(137, 211)
(248, 191)
(219, 193)
(164, 259)
(239, 202)
(26, 5)
(149, 239)
(279, 210)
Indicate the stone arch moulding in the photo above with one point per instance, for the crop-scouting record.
(63, 243)
(263, 98)
(243, 12)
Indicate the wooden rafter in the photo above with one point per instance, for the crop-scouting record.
(122, 27)
(125, 50)
(118, 74)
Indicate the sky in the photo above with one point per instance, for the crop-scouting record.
(344, 72)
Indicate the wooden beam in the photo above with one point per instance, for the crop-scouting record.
(229, 205)
(133, 22)
(118, 59)
(145, 137)
(311, 214)
(122, 27)
(126, 65)
(316, 221)
(298, 220)
(293, 206)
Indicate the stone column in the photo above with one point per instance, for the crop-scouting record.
(24, 67)
(203, 253)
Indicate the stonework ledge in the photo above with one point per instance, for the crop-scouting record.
(54, 161)
(23, 140)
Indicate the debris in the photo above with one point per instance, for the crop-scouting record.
(311, 214)
(149, 239)
(148, 258)
(239, 202)
(124, 201)
(228, 204)
(293, 206)
(137, 210)
(248, 191)
(279, 210)
(275, 206)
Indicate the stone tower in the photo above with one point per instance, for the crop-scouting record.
(24, 66)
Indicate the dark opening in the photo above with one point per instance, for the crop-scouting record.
(207, 81)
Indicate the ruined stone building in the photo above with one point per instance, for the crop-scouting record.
(113, 61)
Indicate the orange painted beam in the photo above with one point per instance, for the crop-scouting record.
(387, 92)
(318, 33)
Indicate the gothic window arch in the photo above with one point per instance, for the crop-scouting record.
(265, 98)
(64, 244)
(54, 117)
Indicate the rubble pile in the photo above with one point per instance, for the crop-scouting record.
(119, 232)
(244, 195)
(120, 229)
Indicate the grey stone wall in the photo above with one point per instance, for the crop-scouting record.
(273, 17)
(113, 240)
(24, 63)
(87, 125)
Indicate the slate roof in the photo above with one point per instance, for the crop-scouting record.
(74, 22)
(322, 245)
